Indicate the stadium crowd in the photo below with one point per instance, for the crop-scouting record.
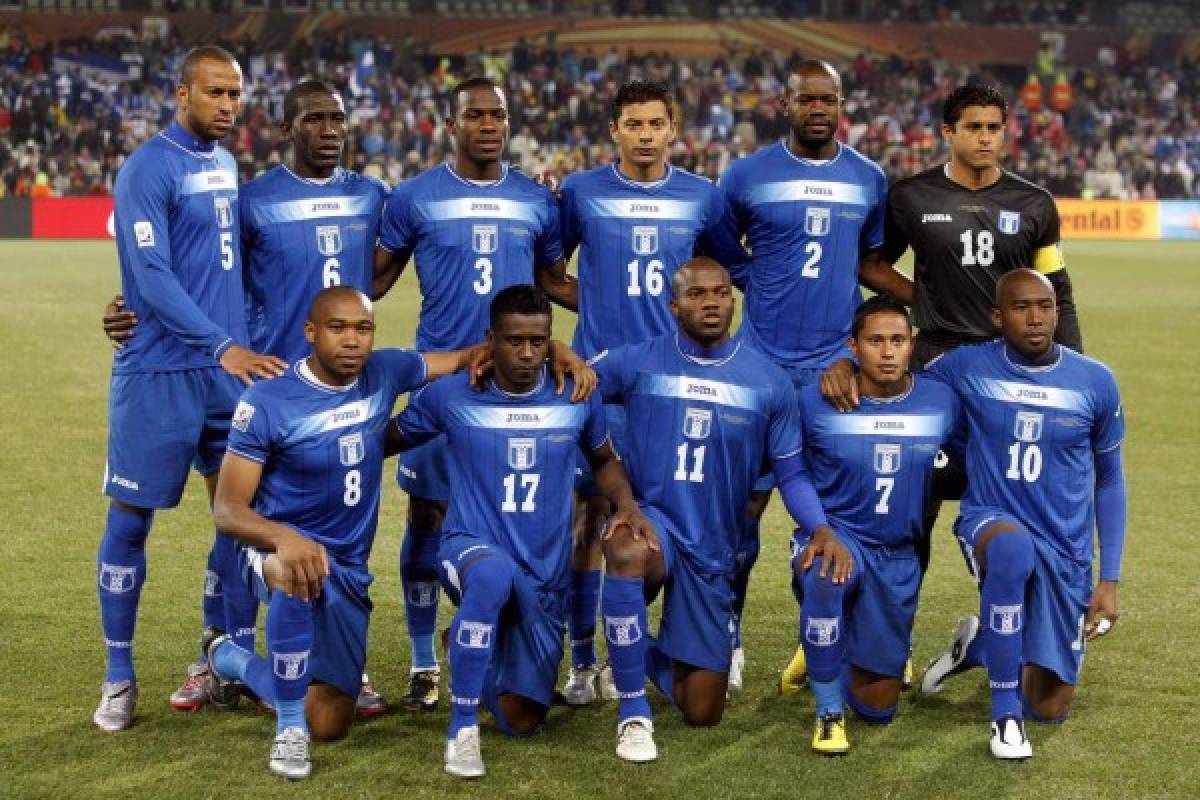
(1124, 128)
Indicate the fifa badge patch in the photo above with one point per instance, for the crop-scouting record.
(242, 416)
(329, 240)
(645, 240)
(143, 233)
(1010, 222)
(816, 221)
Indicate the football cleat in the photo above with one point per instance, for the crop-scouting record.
(951, 660)
(795, 675)
(635, 740)
(1008, 739)
(193, 694)
(906, 680)
(117, 700)
(222, 693)
(580, 688)
(608, 686)
(737, 669)
(422, 690)
(463, 757)
(369, 703)
(289, 755)
(829, 735)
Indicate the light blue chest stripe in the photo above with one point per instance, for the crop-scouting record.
(641, 208)
(1027, 394)
(886, 425)
(525, 418)
(480, 208)
(808, 191)
(213, 180)
(682, 387)
(351, 414)
(316, 208)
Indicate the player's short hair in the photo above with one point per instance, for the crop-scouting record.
(973, 95)
(642, 92)
(523, 298)
(815, 65)
(303, 89)
(205, 52)
(466, 85)
(879, 304)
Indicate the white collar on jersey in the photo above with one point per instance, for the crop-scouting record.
(306, 374)
(480, 184)
(896, 398)
(314, 181)
(812, 162)
(537, 388)
(1008, 356)
(641, 184)
(708, 357)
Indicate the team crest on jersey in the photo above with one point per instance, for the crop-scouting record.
(242, 416)
(1010, 222)
(645, 240)
(1006, 620)
(485, 239)
(117, 579)
(290, 666)
(351, 448)
(821, 631)
(1028, 426)
(522, 453)
(475, 635)
(224, 212)
(816, 221)
(622, 630)
(887, 459)
(697, 423)
(329, 240)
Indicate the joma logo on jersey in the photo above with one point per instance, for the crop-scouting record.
(351, 448)
(1010, 222)
(887, 459)
(522, 453)
(699, 388)
(318, 207)
(645, 240)
(889, 425)
(1005, 620)
(485, 206)
(290, 666)
(642, 208)
(224, 212)
(117, 579)
(820, 191)
(484, 239)
(697, 423)
(345, 416)
(622, 630)
(936, 218)
(475, 635)
(329, 240)
(816, 221)
(1031, 394)
(518, 416)
(822, 632)
(1028, 426)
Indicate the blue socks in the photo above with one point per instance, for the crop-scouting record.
(289, 640)
(747, 557)
(821, 623)
(624, 608)
(214, 598)
(487, 584)
(120, 573)
(240, 612)
(583, 602)
(1002, 618)
(419, 582)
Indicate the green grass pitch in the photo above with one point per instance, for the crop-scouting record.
(1132, 735)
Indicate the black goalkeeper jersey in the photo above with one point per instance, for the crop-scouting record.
(963, 240)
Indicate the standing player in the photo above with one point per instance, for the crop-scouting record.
(635, 223)
(174, 385)
(1044, 431)
(811, 209)
(506, 544)
(872, 468)
(300, 485)
(474, 227)
(704, 412)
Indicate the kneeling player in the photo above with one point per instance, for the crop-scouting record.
(703, 411)
(1043, 456)
(506, 542)
(872, 468)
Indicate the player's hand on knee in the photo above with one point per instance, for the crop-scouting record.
(637, 526)
(839, 386)
(118, 322)
(303, 566)
(563, 362)
(1102, 610)
(246, 365)
(836, 559)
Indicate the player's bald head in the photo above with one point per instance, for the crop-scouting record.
(812, 68)
(692, 270)
(1020, 281)
(208, 53)
(339, 301)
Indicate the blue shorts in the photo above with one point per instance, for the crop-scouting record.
(1056, 597)
(585, 484)
(802, 377)
(159, 424)
(425, 471)
(697, 614)
(341, 616)
(529, 637)
(880, 604)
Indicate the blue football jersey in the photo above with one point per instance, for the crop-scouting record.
(807, 224)
(1032, 433)
(321, 448)
(701, 424)
(632, 237)
(512, 465)
(872, 467)
(470, 241)
(299, 237)
(176, 226)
